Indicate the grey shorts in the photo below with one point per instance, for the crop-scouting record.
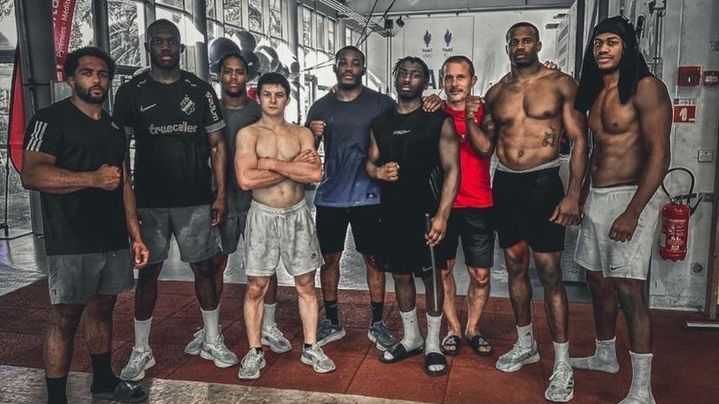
(287, 234)
(74, 278)
(231, 229)
(190, 225)
(597, 252)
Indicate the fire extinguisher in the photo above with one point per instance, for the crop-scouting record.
(675, 221)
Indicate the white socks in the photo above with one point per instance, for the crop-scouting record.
(412, 338)
(641, 390)
(142, 334)
(561, 353)
(525, 336)
(268, 315)
(432, 340)
(211, 322)
(603, 360)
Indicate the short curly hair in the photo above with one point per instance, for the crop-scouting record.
(72, 61)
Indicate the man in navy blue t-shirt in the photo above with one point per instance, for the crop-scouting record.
(346, 195)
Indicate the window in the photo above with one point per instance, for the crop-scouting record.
(214, 30)
(214, 9)
(233, 12)
(174, 3)
(320, 32)
(81, 33)
(306, 27)
(330, 36)
(8, 33)
(348, 37)
(276, 18)
(125, 18)
(255, 15)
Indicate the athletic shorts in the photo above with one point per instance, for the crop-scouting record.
(286, 234)
(75, 278)
(402, 247)
(597, 252)
(523, 204)
(474, 227)
(231, 229)
(332, 228)
(190, 225)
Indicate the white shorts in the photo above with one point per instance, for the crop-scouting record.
(597, 252)
(287, 234)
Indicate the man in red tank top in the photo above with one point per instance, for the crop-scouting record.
(471, 212)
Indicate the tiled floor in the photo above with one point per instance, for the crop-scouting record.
(686, 364)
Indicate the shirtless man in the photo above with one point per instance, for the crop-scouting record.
(630, 116)
(274, 159)
(530, 108)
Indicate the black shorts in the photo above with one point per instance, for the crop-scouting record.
(523, 204)
(474, 226)
(332, 228)
(402, 248)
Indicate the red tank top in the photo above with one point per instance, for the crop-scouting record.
(475, 189)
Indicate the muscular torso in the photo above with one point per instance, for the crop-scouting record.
(619, 154)
(527, 117)
(281, 144)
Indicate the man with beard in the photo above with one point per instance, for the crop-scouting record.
(471, 211)
(74, 155)
(239, 111)
(415, 155)
(177, 123)
(275, 159)
(346, 195)
(530, 108)
(630, 116)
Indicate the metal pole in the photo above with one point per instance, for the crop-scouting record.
(199, 20)
(293, 42)
(579, 42)
(37, 43)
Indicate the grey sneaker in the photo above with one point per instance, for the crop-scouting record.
(517, 357)
(380, 335)
(315, 357)
(327, 332)
(561, 384)
(217, 352)
(140, 360)
(251, 365)
(195, 346)
(273, 337)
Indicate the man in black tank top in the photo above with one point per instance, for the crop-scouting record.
(415, 156)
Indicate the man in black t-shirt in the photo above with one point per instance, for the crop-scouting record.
(415, 155)
(74, 155)
(176, 120)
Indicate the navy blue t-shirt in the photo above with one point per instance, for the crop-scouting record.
(346, 143)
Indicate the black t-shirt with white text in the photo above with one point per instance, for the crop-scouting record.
(170, 123)
(90, 220)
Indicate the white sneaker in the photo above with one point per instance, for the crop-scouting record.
(195, 346)
(315, 357)
(251, 365)
(273, 337)
(217, 352)
(140, 360)
(561, 384)
(517, 357)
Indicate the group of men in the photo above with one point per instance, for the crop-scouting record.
(412, 178)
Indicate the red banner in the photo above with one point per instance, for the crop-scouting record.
(62, 13)
(16, 130)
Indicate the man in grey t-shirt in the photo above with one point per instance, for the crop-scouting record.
(239, 111)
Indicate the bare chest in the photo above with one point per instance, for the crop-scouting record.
(518, 102)
(609, 116)
(284, 145)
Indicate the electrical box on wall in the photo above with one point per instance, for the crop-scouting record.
(711, 77)
(689, 75)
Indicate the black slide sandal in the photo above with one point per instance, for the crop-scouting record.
(399, 352)
(434, 359)
(451, 341)
(124, 392)
(479, 341)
